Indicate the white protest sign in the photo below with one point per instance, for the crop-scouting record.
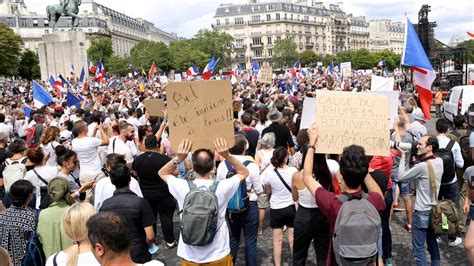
(394, 99)
(381, 84)
(178, 78)
(163, 79)
(346, 69)
(345, 118)
(200, 111)
(309, 112)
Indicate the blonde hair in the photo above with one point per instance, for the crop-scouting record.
(73, 224)
(4, 257)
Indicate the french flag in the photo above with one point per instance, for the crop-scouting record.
(40, 96)
(415, 57)
(207, 72)
(330, 69)
(192, 71)
(92, 68)
(302, 74)
(99, 72)
(296, 67)
(56, 84)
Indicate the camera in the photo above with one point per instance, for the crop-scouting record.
(402, 145)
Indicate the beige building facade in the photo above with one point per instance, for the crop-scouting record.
(385, 34)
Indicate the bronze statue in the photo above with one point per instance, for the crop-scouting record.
(68, 8)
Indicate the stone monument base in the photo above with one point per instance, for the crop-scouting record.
(61, 50)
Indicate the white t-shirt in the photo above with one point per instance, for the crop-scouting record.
(252, 180)
(7, 129)
(49, 149)
(105, 190)
(333, 166)
(86, 258)
(281, 196)
(471, 139)
(88, 154)
(47, 173)
(219, 247)
(117, 146)
(91, 129)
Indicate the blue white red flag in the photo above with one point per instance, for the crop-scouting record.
(415, 57)
(100, 71)
(296, 67)
(40, 96)
(255, 67)
(92, 68)
(209, 69)
(82, 76)
(192, 71)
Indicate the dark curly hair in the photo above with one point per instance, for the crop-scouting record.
(279, 156)
(354, 166)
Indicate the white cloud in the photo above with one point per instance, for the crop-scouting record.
(186, 17)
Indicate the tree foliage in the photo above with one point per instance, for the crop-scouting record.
(145, 53)
(29, 66)
(100, 48)
(118, 65)
(309, 58)
(10, 51)
(185, 55)
(284, 53)
(469, 46)
(363, 59)
(214, 43)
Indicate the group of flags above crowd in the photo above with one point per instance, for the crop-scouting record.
(413, 56)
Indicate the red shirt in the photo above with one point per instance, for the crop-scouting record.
(330, 205)
(384, 164)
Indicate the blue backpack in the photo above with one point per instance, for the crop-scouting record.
(34, 254)
(240, 200)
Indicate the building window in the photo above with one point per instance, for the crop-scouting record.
(256, 8)
(277, 16)
(227, 10)
(46, 31)
(243, 66)
(218, 22)
(258, 52)
(278, 38)
(268, 17)
(270, 52)
(227, 21)
(306, 29)
(257, 41)
(35, 22)
(271, 7)
(308, 40)
(306, 18)
(240, 55)
(10, 22)
(24, 22)
(239, 21)
(239, 42)
(90, 30)
(256, 18)
(269, 40)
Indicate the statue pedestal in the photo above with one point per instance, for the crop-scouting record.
(60, 50)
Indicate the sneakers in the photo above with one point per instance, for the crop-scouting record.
(171, 245)
(398, 208)
(387, 262)
(407, 227)
(439, 240)
(454, 242)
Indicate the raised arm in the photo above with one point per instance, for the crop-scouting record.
(308, 179)
(221, 147)
(169, 169)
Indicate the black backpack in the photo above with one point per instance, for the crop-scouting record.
(448, 162)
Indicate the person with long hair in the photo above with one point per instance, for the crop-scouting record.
(49, 140)
(310, 223)
(73, 225)
(278, 182)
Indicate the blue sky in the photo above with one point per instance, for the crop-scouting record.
(185, 17)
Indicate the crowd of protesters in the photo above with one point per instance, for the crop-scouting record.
(92, 179)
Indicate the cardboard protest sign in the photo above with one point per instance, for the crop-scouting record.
(200, 111)
(381, 84)
(266, 75)
(155, 107)
(346, 69)
(309, 112)
(346, 118)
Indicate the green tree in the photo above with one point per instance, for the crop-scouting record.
(185, 54)
(10, 51)
(119, 65)
(392, 59)
(214, 43)
(362, 59)
(469, 46)
(145, 53)
(309, 58)
(284, 53)
(29, 66)
(327, 59)
(100, 48)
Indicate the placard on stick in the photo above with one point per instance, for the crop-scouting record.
(155, 107)
(346, 118)
(266, 75)
(200, 111)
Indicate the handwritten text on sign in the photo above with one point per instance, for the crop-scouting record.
(345, 118)
(266, 75)
(200, 111)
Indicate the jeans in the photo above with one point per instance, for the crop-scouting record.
(386, 233)
(310, 224)
(449, 192)
(248, 222)
(421, 233)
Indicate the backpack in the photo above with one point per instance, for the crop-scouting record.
(31, 140)
(448, 162)
(46, 199)
(200, 215)
(34, 254)
(240, 200)
(445, 216)
(13, 172)
(356, 230)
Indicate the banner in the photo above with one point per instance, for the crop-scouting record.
(346, 69)
(309, 111)
(266, 75)
(200, 111)
(346, 118)
(382, 84)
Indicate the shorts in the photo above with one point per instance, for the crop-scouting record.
(282, 217)
(263, 201)
(404, 188)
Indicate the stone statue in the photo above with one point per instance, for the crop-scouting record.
(68, 8)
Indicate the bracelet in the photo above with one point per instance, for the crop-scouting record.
(175, 162)
(311, 147)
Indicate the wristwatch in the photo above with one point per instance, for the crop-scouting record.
(175, 162)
